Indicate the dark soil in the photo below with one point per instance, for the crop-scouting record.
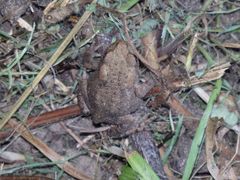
(101, 156)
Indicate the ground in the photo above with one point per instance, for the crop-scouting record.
(186, 53)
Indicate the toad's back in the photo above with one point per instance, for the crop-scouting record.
(111, 91)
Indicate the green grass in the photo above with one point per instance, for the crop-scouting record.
(198, 138)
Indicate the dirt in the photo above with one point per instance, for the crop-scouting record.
(123, 72)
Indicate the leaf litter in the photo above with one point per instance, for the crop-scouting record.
(184, 46)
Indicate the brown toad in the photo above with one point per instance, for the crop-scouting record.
(113, 97)
(111, 91)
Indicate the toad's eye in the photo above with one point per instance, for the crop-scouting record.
(48, 17)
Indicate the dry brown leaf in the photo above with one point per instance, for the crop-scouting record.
(213, 74)
(150, 45)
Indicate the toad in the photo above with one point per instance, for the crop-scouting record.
(112, 90)
(113, 96)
